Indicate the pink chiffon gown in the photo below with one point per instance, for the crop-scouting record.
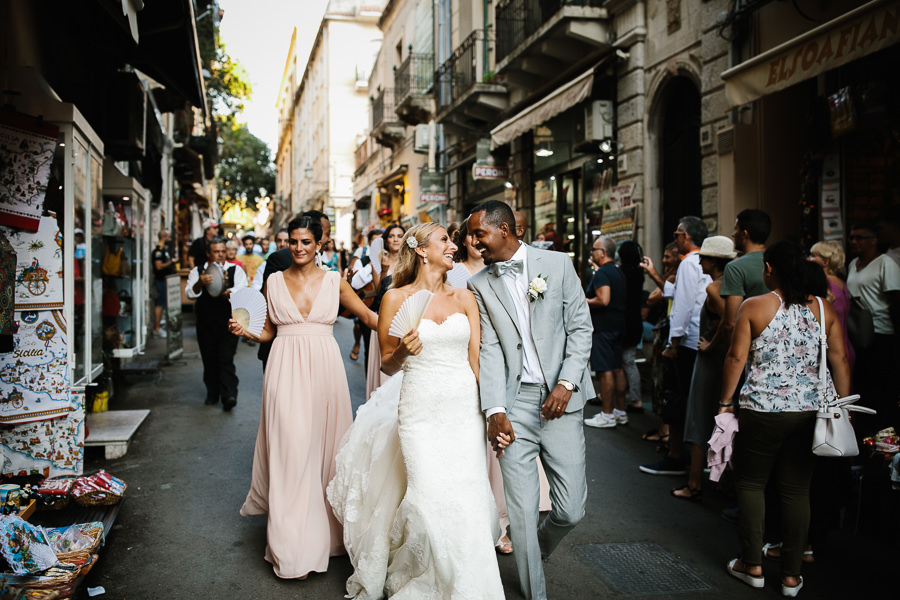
(305, 412)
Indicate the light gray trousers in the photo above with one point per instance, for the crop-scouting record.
(560, 444)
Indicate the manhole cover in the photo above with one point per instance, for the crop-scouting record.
(641, 569)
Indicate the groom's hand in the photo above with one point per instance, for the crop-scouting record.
(499, 424)
(555, 404)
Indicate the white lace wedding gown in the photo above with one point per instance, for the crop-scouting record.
(412, 492)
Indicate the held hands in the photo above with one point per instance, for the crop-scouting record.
(555, 405)
(500, 433)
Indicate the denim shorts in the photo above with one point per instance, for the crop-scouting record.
(160, 293)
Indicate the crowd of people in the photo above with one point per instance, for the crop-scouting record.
(474, 419)
(739, 333)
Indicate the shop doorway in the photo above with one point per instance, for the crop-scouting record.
(556, 210)
(679, 154)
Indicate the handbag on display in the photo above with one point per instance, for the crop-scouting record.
(833, 434)
(111, 225)
(860, 326)
(112, 262)
(125, 303)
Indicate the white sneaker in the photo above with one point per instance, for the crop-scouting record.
(621, 418)
(601, 421)
(161, 334)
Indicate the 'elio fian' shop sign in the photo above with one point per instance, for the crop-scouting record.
(860, 32)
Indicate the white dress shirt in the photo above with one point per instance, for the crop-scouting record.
(517, 286)
(258, 278)
(690, 294)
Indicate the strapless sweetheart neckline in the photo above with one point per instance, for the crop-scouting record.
(447, 318)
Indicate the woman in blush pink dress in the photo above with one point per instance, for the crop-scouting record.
(305, 409)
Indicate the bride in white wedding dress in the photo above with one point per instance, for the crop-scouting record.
(411, 485)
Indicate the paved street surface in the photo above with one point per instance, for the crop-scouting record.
(179, 534)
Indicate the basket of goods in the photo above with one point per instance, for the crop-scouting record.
(25, 548)
(53, 492)
(75, 543)
(99, 489)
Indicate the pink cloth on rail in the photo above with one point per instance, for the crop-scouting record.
(721, 445)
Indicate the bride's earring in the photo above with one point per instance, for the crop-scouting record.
(425, 259)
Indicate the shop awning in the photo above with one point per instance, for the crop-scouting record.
(862, 31)
(562, 99)
(167, 48)
(395, 175)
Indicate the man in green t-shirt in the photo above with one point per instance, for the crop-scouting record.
(743, 276)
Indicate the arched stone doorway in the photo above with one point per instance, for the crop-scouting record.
(678, 153)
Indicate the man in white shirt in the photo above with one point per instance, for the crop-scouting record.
(217, 345)
(281, 242)
(875, 279)
(684, 333)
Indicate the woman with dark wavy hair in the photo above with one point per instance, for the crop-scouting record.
(778, 333)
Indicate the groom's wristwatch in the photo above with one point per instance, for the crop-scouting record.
(569, 386)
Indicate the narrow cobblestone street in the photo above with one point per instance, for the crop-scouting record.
(179, 534)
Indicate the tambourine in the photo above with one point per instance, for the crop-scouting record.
(215, 287)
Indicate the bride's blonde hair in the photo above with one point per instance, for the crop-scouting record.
(407, 268)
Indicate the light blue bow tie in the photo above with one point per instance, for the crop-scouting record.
(516, 266)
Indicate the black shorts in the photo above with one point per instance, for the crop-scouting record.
(606, 351)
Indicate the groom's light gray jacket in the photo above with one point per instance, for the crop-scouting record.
(560, 325)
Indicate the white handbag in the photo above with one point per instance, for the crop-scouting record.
(833, 435)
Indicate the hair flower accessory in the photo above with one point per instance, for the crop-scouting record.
(412, 242)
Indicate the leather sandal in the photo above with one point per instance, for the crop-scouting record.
(504, 546)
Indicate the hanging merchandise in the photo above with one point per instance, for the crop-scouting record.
(27, 145)
(7, 293)
(112, 262)
(111, 225)
(39, 281)
(843, 113)
(34, 376)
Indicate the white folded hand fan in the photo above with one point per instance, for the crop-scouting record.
(410, 313)
(248, 308)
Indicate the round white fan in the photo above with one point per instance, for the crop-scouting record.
(410, 313)
(248, 308)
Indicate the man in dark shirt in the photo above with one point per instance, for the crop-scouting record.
(606, 298)
(280, 260)
(163, 266)
(200, 247)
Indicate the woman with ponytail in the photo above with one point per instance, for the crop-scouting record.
(778, 333)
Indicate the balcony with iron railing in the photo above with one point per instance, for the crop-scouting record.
(466, 91)
(386, 129)
(413, 81)
(537, 40)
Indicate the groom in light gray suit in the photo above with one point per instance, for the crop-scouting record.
(534, 380)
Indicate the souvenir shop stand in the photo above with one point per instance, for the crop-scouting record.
(51, 219)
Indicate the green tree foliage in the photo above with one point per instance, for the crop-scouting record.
(245, 170)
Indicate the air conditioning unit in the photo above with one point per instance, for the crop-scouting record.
(597, 125)
(422, 139)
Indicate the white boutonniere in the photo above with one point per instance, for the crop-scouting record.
(536, 288)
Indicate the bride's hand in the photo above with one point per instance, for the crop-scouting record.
(500, 432)
(410, 345)
(502, 441)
